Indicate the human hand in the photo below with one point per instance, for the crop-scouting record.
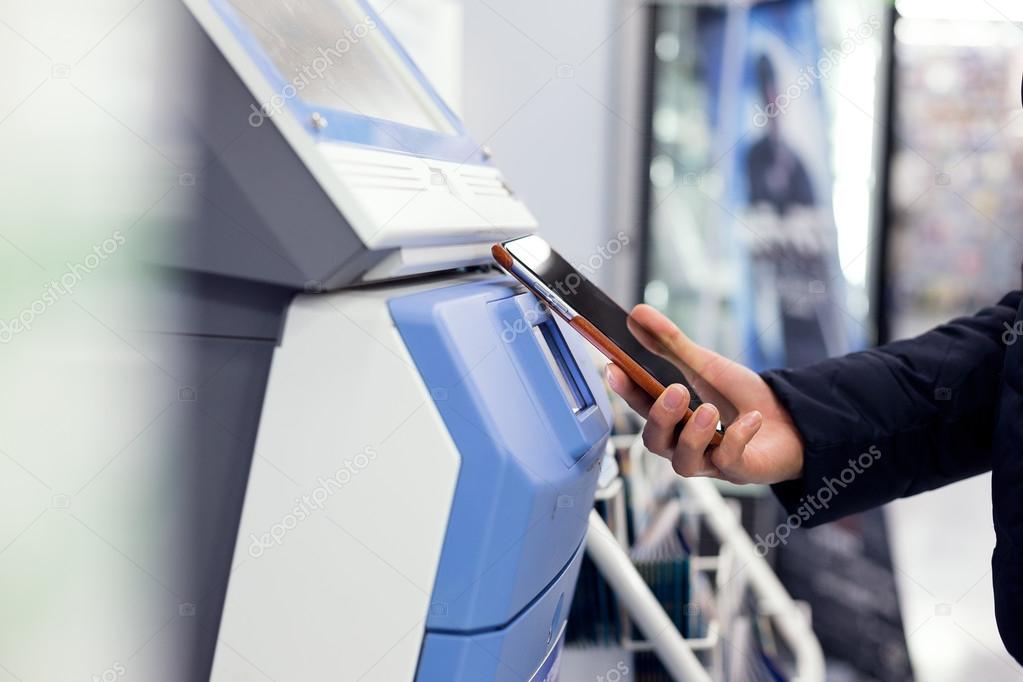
(760, 445)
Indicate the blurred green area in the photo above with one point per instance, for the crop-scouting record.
(90, 585)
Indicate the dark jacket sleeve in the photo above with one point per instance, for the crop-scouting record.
(896, 420)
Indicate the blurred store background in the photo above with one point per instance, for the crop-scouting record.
(907, 120)
(882, 199)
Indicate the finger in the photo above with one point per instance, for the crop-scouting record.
(654, 344)
(660, 335)
(709, 469)
(634, 396)
(667, 411)
(702, 388)
(729, 455)
(645, 337)
(663, 336)
(689, 459)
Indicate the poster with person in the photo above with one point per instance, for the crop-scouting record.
(778, 181)
(766, 74)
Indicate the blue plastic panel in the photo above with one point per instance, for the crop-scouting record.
(529, 461)
(527, 650)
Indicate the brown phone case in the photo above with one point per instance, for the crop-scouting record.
(611, 351)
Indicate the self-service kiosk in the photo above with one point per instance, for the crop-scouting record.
(416, 442)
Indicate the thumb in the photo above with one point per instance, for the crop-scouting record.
(660, 335)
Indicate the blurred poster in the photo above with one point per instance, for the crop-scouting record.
(764, 71)
(771, 121)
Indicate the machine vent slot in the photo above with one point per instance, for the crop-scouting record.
(367, 174)
(486, 186)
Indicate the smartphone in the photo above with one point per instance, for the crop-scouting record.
(592, 313)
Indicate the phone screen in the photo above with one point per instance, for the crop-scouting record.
(594, 305)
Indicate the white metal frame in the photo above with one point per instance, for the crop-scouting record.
(737, 566)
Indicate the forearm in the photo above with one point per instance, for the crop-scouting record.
(896, 420)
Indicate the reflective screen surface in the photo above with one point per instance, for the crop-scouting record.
(332, 53)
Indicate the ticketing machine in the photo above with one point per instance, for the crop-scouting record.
(415, 442)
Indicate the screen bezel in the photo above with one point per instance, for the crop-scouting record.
(348, 127)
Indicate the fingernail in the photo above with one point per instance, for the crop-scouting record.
(704, 416)
(752, 420)
(673, 397)
(610, 377)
